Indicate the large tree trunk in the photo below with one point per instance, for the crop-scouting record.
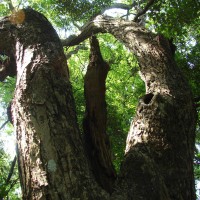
(160, 144)
(52, 162)
(159, 152)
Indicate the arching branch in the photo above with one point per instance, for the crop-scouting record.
(94, 26)
(101, 24)
(87, 31)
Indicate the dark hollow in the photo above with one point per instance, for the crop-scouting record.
(147, 98)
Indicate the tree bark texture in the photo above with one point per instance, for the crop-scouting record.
(96, 140)
(52, 161)
(159, 152)
(160, 145)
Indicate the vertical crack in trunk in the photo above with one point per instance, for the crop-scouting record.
(96, 140)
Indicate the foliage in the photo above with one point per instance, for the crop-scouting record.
(172, 17)
(4, 10)
(8, 188)
(6, 90)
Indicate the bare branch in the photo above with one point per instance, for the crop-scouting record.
(75, 51)
(91, 28)
(142, 12)
(12, 185)
(11, 170)
(2, 126)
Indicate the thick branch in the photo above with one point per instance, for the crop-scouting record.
(101, 24)
(87, 31)
(94, 27)
(44, 151)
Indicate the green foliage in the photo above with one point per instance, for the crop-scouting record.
(11, 188)
(63, 14)
(190, 65)
(6, 90)
(8, 189)
(4, 10)
(172, 17)
(77, 68)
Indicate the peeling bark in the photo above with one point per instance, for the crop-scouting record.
(96, 140)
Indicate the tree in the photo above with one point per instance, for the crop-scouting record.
(53, 162)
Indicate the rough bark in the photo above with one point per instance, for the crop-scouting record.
(96, 140)
(160, 144)
(52, 161)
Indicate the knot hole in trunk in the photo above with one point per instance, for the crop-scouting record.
(147, 98)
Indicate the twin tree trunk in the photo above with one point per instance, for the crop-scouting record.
(53, 163)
